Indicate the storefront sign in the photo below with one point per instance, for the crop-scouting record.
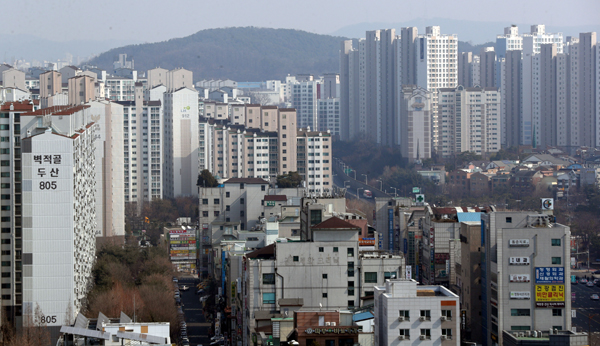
(332, 331)
(518, 242)
(519, 278)
(519, 261)
(520, 295)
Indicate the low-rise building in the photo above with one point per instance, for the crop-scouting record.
(406, 314)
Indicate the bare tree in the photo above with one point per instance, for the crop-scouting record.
(260, 98)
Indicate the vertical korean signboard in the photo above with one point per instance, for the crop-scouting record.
(391, 229)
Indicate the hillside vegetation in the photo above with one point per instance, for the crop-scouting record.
(241, 54)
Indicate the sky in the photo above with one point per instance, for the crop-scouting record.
(154, 20)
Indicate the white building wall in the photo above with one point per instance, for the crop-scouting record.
(59, 223)
(181, 110)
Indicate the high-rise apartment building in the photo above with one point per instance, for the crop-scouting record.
(437, 67)
(415, 123)
(180, 142)
(511, 74)
(353, 89)
(469, 120)
(487, 68)
(304, 99)
(526, 261)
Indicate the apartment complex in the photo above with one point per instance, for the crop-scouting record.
(265, 144)
(374, 70)
(526, 262)
(415, 123)
(406, 313)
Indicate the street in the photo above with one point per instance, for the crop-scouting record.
(197, 326)
(341, 180)
(586, 308)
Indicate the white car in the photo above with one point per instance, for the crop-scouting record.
(590, 284)
(594, 297)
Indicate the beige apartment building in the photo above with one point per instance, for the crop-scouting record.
(264, 142)
(82, 89)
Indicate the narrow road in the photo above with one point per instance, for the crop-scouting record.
(197, 326)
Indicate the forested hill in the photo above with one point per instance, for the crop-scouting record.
(240, 54)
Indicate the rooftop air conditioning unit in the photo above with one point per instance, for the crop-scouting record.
(423, 318)
(423, 337)
(328, 323)
(444, 318)
(444, 337)
(333, 324)
(401, 319)
(401, 337)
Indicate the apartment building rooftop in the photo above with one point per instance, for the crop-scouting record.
(57, 110)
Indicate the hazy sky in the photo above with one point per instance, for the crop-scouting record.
(153, 20)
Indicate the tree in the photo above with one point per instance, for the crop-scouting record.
(206, 179)
(292, 179)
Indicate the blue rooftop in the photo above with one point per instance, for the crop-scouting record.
(362, 316)
(463, 217)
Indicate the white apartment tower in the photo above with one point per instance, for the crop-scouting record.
(415, 123)
(180, 141)
(437, 67)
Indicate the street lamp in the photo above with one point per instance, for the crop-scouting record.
(395, 191)
(365, 179)
(380, 184)
(354, 173)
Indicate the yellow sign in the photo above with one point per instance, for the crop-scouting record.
(549, 293)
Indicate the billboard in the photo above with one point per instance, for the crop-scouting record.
(549, 296)
(549, 275)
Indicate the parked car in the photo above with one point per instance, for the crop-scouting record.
(583, 281)
(596, 272)
(175, 279)
(594, 297)
(590, 284)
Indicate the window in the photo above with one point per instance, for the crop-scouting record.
(405, 314)
(350, 288)
(6, 275)
(520, 312)
(351, 303)
(447, 332)
(389, 275)
(426, 315)
(556, 260)
(371, 277)
(242, 201)
(405, 333)
(5, 241)
(227, 208)
(216, 213)
(216, 201)
(262, 188)
(555, 242)
(556, 312)
(350, 252)
(321, 249)
(335, 249)
(324, 295)
(205, 213)
(426, 333)
(268, 298)
(295, 258)
(520, 328)
(557, 327)
(269, 279)
(227, 194)
(324, 276)
(205, 201)
(509, 220)
(315, 217)
(447, 314)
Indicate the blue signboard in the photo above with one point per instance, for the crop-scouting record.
(549, 275)
(405, 246)
(391, 229)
